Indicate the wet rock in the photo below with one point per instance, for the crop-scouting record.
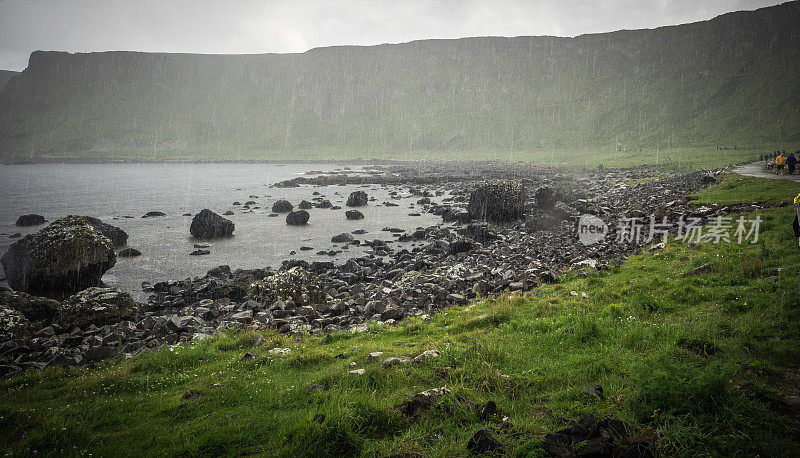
(297, 218)
(33, 308)
(129, 253)
(343, 238)
(483, 443)
(357, 199)
(498, 201)
(66, 256)
(305, 205)
(117, 236)
(296, 283)
(199, 253)
(153, 214)
(324, 204)
(98, 306)
(209, 225)
(228, 213)
(354, 215)
(30, 220)
(282, 206)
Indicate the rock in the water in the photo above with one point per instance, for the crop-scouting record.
(67, 256)
(357, 199)
(297, 218)
(342, 238)
(354, 214)
(153, 214)
(129, 253)
(33, 308)
(117, 236)
(30, 220)
(282, 206)
(305, 205)
(199, 252)
(498, 201)
(209, 225)
(98, 306)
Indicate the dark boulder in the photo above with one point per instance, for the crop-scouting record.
(546, 198)
(117, 236)
(305, 205)
(325, 204)
(483, 443)
(67, 256)
(209, 225)
(297, 218)
(342, 238)
(357, 199)
(282, 206)
(153, 214)
(30, 220)
(354, 214)
(129, 253)
(498, 201)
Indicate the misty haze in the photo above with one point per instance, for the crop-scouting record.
(424, 228)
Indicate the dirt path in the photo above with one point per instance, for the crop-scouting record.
(755, 170)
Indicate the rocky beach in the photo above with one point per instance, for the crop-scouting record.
(501, 228)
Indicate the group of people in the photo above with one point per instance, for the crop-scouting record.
(781, 160)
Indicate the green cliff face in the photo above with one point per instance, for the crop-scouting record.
(731, 80)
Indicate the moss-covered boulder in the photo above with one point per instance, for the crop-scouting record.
(98, 306)
(34, 308)
(13, 325)
(295, 284)
(67, 256)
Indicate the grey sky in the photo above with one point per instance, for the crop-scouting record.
(249, 26)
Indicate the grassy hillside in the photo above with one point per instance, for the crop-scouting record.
(702, 365)
(730, 81)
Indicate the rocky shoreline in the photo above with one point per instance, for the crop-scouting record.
(412, 274)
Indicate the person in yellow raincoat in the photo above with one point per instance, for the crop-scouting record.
(779, 163)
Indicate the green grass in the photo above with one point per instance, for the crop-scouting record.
(699, 362)
(734, 188)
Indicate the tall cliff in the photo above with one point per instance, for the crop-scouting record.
(733, 79)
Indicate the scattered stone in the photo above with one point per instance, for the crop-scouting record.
(426, 356)
(129, 253)
(209, 225)
(702, 270)
(117, 236)
(374, 356)
(342, 238)
(395, 361)
(199, 253)
(297, 218)
(282, 206)
(357, 199)
(30, 220)
(354, 215)
(153, 214)
(305, 205)
(315, 387)
(483, 443)
(421, 402)
(280, 351)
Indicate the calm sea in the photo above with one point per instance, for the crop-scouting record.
(113, 191)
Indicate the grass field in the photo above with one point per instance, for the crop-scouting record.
(702, 364)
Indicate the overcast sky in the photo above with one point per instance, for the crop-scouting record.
(250, 26)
